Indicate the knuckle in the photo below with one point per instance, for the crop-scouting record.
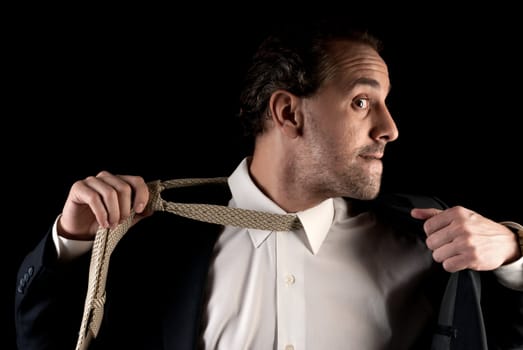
(103, 173)
(110, 194)
(78, 184)
(89, 179)
(123, 187)
(427, 226)
(137, 181)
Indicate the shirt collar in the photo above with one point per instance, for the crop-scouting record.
(316, 221)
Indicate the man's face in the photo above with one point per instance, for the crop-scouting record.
(346, 126)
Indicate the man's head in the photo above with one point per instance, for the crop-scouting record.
(314, 99)
(298, 59)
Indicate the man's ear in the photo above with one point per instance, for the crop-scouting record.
(283, 113)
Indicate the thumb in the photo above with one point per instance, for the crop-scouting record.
(424, 213)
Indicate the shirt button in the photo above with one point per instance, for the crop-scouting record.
(289, 347)
(289, 280)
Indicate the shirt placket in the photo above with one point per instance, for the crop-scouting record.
(290, 292)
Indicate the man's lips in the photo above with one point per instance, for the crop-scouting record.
(377, 156)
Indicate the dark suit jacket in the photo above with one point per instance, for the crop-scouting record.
(157, 277)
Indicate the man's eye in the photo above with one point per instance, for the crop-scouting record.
(361, 103)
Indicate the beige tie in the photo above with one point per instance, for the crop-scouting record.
(107, 239)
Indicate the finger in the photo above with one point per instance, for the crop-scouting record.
(457, 255)
(445, 252)
(439, 238)
(435, 219)
(455, 263)
(140, 190)
(83, 194)
(124, 193)
(109, 197)
(424, 213)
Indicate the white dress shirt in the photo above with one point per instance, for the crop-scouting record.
(341, 282)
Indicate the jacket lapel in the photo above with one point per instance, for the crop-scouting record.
(460, 322)
(185, 302)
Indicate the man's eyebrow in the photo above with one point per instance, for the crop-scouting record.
(364, 81)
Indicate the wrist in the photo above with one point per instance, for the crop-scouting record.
(76, 237)
(72, 236)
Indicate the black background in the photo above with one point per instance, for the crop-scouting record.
(153, 92)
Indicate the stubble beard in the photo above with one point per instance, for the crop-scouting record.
(327, 173)
(360, 184)
(351, 180)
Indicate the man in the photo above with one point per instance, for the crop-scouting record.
(355, 275)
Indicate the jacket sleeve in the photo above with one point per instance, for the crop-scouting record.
(49, 299)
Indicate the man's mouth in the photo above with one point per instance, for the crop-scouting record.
(372, 156)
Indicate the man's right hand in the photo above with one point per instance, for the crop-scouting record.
(104, 200)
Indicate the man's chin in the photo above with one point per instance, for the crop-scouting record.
(367, 193)
(371, 189)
